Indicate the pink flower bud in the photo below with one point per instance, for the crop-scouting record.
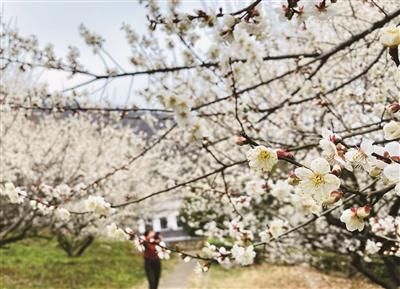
(363, 212)
(293, 179)
(240, 140)
(335, 139)
(340, 148)
(282, 153)
(337, 195)
(393, 107)
(336, 170)
(333, 198)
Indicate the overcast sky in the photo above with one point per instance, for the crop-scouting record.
(57, 22)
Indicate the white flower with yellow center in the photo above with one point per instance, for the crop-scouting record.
(317, 182)
(360, 157)
(262, 159)
(390, 36)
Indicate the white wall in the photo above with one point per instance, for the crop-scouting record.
(156, 224)
(141, 226)
(172, 222)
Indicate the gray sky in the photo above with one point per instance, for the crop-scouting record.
(57, 22)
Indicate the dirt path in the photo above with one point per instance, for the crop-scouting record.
(180, 276)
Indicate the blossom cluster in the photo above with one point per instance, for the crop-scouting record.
(230, 122)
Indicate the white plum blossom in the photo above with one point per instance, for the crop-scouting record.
(329, 149)
(241, 202)
(391, 130)
(360, 157)
(354, 218)
(182, 108)
(390, 36)
(255, 189)
(262, 159)
(162, 252)
(330, 153)
(62, 214)
(183, 117)
(281, 190)
(317, 182)
(210, 250)
(196, 129)
(98, 205)
(43, 208)
(387, 226)
(372, 247)
(264, 236)
(187, 259)
(243, 255)
(277, 227)
(392, 173)
(13, 194)
(335, 198)
(138, 243)
(115, 233)
(229, 20)
(390, 150)
(306, 204)
(199, 269)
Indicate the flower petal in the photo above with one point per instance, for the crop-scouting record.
(393, 148)
(367, 147)
(332, 183)
(303, 173)
(392, 172)
(320, 166)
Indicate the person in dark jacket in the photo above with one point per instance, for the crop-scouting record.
(152, 264)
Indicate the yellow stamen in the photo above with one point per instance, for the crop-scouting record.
(264, 155)
(318, 180)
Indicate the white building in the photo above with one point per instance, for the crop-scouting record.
(163, 217)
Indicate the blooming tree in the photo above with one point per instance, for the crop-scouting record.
(280, 125)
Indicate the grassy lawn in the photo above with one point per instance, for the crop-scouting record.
(41, 264)
(268, 276)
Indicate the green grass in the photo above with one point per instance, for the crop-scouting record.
(42, 264)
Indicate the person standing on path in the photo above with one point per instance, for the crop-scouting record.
(152, 263)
